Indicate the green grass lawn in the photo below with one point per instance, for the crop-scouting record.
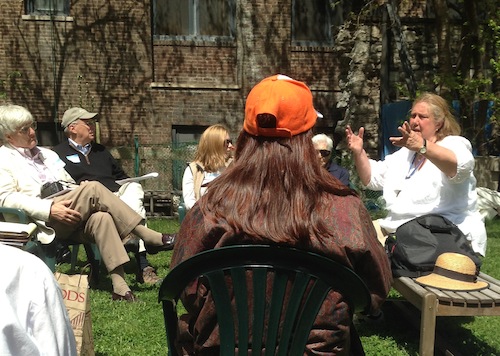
(122, 328)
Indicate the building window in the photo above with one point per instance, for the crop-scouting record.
(194, 18)
(314, 21)
(311, 22)
(47, 7)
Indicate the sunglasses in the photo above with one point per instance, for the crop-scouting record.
(324, 153)
(229, 142)
(26, 129)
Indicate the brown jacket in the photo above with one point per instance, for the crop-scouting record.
(354, 244)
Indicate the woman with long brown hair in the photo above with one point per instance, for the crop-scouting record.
(276, 192)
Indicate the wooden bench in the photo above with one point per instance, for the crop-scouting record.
(433, 302)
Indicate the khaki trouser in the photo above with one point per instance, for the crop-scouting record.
(381, 233)
(106, 220)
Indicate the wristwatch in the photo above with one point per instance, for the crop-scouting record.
(423, 149)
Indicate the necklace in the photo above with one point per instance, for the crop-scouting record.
(415, 165)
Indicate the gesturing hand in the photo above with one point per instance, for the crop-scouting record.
(62, 212)
(354, 142)
(410, 139)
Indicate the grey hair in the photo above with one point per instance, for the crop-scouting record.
(323, 138)
(12, 117)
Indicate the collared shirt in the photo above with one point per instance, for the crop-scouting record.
(84, 150)
(35, 160)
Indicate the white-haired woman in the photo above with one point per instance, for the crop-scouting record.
(324, 146)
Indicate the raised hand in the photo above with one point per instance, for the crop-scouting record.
(410, 139)
(354, 142)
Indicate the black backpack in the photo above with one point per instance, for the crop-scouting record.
(415, 246)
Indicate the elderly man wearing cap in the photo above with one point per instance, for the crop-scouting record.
(89, 211)
(280, 194)
(87, 160)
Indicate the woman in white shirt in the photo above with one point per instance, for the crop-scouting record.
(214, 153)
(431, 173)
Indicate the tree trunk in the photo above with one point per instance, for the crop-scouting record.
(443, 41)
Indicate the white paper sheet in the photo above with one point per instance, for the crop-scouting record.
(137, 179)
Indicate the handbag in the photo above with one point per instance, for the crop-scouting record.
(75, 291)
(414, 247)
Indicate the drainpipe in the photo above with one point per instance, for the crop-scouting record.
(136, 163)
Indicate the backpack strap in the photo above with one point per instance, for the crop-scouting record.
(198, 175)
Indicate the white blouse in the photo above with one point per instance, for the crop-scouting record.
(409, 193)
(188, 186)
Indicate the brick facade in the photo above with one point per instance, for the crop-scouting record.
(104, 58)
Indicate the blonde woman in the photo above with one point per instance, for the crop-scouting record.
(214, 153)
(433, 172)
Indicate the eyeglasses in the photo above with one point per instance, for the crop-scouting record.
(26, 129)
(229, 142)
(324, 153)
(89, 122)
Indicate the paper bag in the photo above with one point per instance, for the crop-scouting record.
(75, 290)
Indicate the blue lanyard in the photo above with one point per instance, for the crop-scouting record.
(414, 167)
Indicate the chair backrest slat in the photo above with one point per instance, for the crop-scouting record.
(259, 308)
(293, 307)
(312, 304)
(224, 316)
(238, 276)
(280, 282)
(281, 321)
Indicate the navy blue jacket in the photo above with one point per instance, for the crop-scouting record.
(98, 165)
(338, 172)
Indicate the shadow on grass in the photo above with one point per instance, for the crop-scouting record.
(392, 335)
(396, 333)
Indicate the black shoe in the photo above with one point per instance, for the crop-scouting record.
(128, 297)
(168, 244)
(63, 254)
(132, 245)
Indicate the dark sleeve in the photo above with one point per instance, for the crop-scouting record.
(344, 176)
(339, 172)
(116, 170)
(372, 263)
(192, 237)
(354, 243)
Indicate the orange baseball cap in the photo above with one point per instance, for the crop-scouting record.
(288, 100)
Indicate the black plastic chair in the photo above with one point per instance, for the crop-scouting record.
(311, 277)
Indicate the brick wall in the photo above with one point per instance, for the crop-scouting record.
(103, 57)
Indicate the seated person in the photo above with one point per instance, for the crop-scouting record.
(432, 172)
(87, 160)
(324, 146)
(34, 318)
(276, 192)
(213, 155)
(89, 211)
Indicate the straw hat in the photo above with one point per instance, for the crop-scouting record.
(453, 271)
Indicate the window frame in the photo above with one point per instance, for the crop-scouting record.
(313, 42)
(194, 23)
(31, 9)
(338, 14)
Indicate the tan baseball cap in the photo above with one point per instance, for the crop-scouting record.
(74, 114)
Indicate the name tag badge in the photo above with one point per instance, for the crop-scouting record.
(73, 158)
